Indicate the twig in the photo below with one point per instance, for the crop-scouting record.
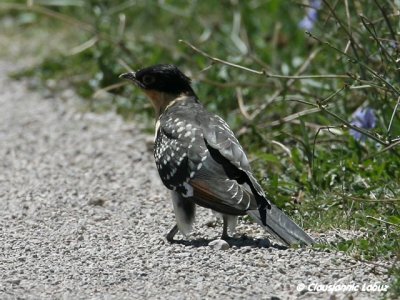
(325, 101)
(346, 5)
(289, 83)
(383, 221)
(217, 60)
(352, 59)
(235, 34)
(343, 121)
(361, 130)
(294, 116)
(302, 101)
(384, 50)
(372, 200)
(242, 108)
(353, 43)
(393, 114)
(365, 86)
(392, 145)
(372, 84)
(386, 17)
(108, 88)
(315, 141)
(231, 84)
(207, 67)
(286, 149)
(263, 106)
(262, 72)
(84, 46)
(121, 25)
(124, 64)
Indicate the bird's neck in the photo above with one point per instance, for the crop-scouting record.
(162, 101)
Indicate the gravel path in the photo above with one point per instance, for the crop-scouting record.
(83, 216)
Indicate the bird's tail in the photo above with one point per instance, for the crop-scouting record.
(282, 227)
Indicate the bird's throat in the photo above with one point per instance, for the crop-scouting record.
(161, 101)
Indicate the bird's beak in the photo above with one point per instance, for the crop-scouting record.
(129, 76)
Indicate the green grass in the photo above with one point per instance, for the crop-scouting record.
(322, 177)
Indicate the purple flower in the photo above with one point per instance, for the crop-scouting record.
(363, 118)
(392, 46)
(308, 21)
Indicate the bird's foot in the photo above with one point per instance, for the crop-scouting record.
(171, 234)
(225, 237)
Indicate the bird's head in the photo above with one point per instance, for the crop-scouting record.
(161, 83)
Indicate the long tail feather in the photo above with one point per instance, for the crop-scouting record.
(282, 227)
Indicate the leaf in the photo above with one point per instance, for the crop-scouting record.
(394, 219)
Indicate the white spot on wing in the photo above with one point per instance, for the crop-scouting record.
(248, 205)
(189, 190)
(231, 187)
(237, 190)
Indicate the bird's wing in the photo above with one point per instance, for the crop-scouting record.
(178, 152)
(220, 137)
(226, 149)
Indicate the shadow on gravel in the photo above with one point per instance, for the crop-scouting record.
(240, 242)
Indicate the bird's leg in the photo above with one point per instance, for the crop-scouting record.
(225, 235)
(171, 234)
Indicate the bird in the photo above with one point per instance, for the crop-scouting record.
(201, 161)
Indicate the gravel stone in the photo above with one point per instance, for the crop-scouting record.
(83, 215)
(219, 245)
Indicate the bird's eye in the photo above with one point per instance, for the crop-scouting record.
(148, 79)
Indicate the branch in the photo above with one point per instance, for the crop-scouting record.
(393, 114)
(242, 108)
(383, 221)
(259, 72)
(354, 60)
